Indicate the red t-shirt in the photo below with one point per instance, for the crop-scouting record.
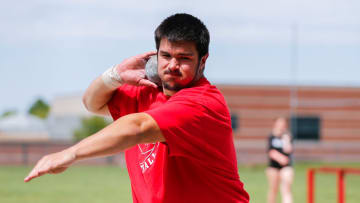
(197, 163)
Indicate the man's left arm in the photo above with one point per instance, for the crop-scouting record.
(122, 134)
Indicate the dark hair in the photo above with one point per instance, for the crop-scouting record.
(184, 27)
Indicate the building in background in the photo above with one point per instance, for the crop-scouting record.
(325, 121)
(21, 127)
(24, 139)
(65, 116)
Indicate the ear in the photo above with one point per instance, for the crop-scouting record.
(202, 62)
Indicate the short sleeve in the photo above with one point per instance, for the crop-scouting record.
(124, 101)
(193, 130)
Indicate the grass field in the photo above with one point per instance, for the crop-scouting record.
(110, 184)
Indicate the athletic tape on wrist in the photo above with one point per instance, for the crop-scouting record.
(111, 78)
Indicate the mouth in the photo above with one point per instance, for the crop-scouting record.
(173, 73)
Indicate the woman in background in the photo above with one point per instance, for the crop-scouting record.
(280, 171)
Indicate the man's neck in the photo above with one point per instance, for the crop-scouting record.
(169, 92)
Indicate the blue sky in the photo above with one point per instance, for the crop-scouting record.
(50, 48)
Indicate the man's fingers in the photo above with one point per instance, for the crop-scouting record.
(40, 169)
(33, 174)
(147, 54)
(53, 163)
(37, 172)
(29, 177)
(146, 82)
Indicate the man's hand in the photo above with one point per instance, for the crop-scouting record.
(125, 132)
(132, 70)
(52, 164)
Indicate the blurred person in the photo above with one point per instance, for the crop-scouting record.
(177, 136)
(280, 171)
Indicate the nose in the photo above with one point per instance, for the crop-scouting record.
(173, 65)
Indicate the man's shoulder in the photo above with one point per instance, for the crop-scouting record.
(204, 94)
(136, 90)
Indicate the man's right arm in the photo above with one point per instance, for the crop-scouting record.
(130, 71)
(96, 97)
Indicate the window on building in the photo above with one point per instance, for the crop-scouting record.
(305, 127)
(234, 121)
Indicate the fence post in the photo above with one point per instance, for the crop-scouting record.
(25, 153)
(110, 160)
(341, 186)
(311, 188)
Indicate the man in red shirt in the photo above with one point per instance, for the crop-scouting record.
(177, 136)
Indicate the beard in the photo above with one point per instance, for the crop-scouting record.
(175, 87)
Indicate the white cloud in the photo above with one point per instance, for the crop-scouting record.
(259, 21)
(38, 36)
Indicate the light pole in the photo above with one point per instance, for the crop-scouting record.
(293, 71)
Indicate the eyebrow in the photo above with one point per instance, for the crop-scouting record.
(181, 54)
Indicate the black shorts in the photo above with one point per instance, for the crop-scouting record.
(274, 164)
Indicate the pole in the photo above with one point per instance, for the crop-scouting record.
(341, 186)
(311, 188)
(294, 70)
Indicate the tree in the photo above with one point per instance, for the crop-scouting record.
(8, 113)
(40, 109)
(90, 126)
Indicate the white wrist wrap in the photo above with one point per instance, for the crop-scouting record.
(111, 78)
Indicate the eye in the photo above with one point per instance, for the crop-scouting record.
(185, 58)
(165, 55)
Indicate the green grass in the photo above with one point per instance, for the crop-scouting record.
(110, 184)
(255, 182)
(90, 184)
